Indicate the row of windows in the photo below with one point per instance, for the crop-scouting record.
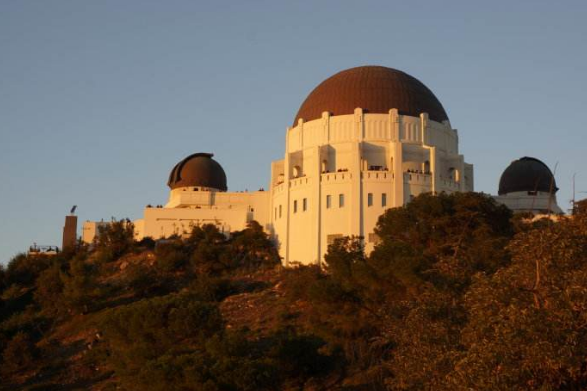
(304, 205)
(278, 211)
(329, 201)
(383, 199)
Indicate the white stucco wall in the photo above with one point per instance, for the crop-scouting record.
(522, 201)
(357, 155)
(350, 155)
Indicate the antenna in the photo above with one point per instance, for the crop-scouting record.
(72, 211)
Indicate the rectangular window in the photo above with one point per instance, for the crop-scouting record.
(279, 211)
(340, 200)
(295, 206)
(384, 200)
(370, 199)
(328, 201)
(305, 204)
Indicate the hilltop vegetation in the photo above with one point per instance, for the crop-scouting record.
(458, 295)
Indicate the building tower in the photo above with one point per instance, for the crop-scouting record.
(70, 231)
(364, 140)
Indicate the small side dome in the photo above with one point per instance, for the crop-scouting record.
(198, 170)
(527, 174)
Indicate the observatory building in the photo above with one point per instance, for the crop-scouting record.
(528, 185)
(364, 140)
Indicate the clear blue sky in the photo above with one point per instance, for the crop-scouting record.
(98, 100)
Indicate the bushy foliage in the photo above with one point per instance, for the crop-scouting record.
(177, 342)
(527, 321)
(49, 290)
(451, 299)
(68, 288)
(172, 255)
(150, 328)
(211, 288)
(114, 239)
(444, 239)
(251, 248)
(19, 354)
(23, 269)
(398, 312)
(207, 246)
(80, 286)
(145, 280)
(457, 295)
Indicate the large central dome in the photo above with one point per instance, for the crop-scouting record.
(375, 89)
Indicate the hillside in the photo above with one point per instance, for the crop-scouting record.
(458, 294)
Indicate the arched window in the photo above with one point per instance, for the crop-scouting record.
(454, 174)
(427, 167)
(297, 171)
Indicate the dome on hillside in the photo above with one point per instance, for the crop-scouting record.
(198, 170)
(375, 89)
(527, 174)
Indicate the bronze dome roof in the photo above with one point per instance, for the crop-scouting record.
(375, 89)
(198, 170)
(527, 174)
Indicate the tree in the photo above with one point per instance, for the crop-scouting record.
(80, 286)
(527, 327)
(23, 269)
(49, 290)
(145, 334)
(445, 239)
(19, 354)
(114, 239)
(398, 313)
(251, 248)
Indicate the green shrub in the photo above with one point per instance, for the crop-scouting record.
(209, 288)
(49, 292)
(147, 243)
(252, 249)
(150, 328)
(19, 354)
(24, 269)
(114, 239)
(28, 320)
(172, 255)
(144, 280)
(80, 287)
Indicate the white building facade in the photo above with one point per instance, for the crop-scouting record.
(340, 173)
(365, 140)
